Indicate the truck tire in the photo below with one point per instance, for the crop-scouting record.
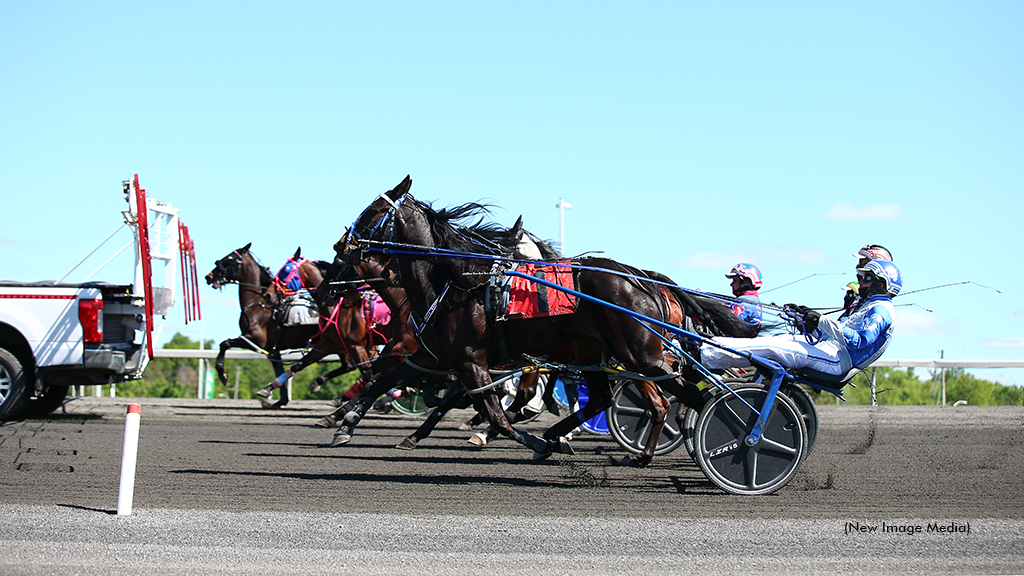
(53, 397)
(13, 386)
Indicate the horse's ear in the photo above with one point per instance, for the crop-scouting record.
(403, 188)
(516, 232)
(297, 252)
(245, 248)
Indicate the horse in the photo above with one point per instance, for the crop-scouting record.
(343, 330)
(446, 274)
(376, 272)
(260, 331)
(398, 340)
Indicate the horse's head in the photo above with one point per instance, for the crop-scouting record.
(373, 224)
(339, 279)
(228, 269)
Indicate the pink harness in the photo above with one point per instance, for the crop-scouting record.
(375, 314)
(291, 283)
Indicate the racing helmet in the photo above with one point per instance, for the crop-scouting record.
(874, 252)
(745, 270)
(887, 273)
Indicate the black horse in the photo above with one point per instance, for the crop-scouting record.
(446, 271)
(377, 271)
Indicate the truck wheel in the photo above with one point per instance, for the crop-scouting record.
(13, 386)
(51, 399)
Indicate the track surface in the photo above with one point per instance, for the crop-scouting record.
(224, 487)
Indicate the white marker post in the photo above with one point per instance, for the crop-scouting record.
(128, 458)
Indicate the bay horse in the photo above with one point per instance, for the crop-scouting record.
(447, 296)
(260, 332)
(399, 340)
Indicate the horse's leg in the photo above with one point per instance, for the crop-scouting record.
(386, 381)
(473, 422)
(549, 394)
(308, 359)
(513, 413)
(451, 398)
(348, 399)
(600, 398)
(281, 380)
(524, 393)
(322, 379)
(355, 357)
(224, 347)
(658, 408)
(488, 401)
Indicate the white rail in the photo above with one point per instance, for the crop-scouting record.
(237, 354)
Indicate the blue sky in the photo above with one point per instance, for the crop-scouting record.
(688, 137)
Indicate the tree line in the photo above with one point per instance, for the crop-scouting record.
(179, 377)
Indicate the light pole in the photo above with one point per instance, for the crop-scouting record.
(562, 205)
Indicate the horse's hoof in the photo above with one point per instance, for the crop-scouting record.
(268, 405)
(265, 392)
(564, 447)
(407, 444)
(628, 462)
(478, 439)
(465, 427)
(541, 456)
(337, 402)
(340, 439)
(314, 387)
(328, 421)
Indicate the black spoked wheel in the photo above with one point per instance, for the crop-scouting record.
(723, 454)
(805, 404)
(629, 421)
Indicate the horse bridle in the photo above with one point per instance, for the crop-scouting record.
(357, 240)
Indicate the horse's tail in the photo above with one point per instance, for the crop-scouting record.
(714, 315)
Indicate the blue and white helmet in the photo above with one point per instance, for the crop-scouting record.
(887, 273)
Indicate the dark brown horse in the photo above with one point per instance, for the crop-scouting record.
(375, 270)
(260, 331)
(446, 269)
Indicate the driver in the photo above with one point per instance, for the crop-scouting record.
(746, 281)
(825, 348)
(866, 254)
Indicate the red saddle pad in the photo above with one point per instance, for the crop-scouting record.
(528, 299)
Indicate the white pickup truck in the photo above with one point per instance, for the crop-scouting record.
(54, 335)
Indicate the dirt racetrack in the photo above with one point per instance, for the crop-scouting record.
(957, 469)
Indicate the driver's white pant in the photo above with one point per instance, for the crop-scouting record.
(792, 352)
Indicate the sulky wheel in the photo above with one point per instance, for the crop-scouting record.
(688, 421)
(722, 452)
(410, 402)
(629, 421)
(805, 404)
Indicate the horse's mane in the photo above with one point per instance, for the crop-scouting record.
(546, 251)
(480, 237)
(322, 266)
(266, 276)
